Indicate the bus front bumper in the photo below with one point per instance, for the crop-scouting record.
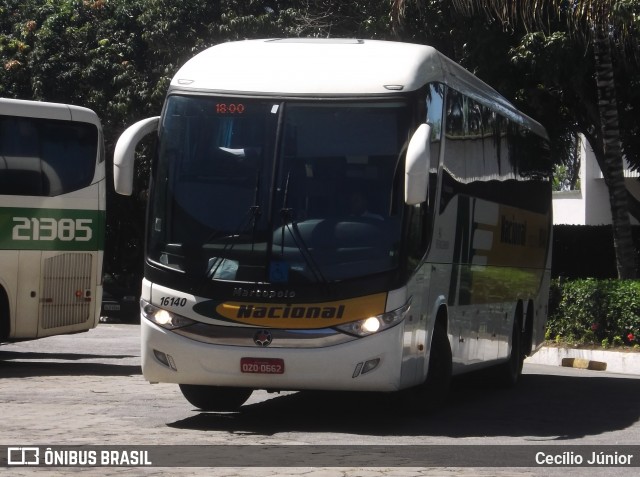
(372, 363)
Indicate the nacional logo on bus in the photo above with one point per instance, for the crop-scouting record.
(303, 315)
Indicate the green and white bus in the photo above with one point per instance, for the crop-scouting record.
(338, 215)
(52, 213)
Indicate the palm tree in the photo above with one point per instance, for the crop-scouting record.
(595, 21)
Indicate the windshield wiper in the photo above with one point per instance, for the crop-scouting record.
(253, 213)
(288, 222)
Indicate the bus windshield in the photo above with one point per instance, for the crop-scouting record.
(277, 191)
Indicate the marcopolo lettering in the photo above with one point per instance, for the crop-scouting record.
(290, 311)
(239, 292)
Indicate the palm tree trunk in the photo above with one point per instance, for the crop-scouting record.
(613, 168)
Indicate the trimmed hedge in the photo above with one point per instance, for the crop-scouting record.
(590, 311)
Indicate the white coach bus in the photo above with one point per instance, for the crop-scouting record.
(52, 212)
(338, 215)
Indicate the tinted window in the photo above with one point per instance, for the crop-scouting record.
(483, 145)
(43, 157)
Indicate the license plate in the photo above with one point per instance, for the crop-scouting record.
(262, 365)
(110, 307)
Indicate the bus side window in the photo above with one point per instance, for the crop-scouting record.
(435, 109)
(435, 99)
(40, 157)
(20, 171)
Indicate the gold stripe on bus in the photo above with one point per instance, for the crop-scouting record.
(303, 315)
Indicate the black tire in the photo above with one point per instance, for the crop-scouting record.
(5, 319)
(434, 391)
(215, 398)
(508, 374)
(440, 367)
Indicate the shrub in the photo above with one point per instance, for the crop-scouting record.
(590, 311)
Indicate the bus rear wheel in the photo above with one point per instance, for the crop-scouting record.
(508, 374)
(215, 398)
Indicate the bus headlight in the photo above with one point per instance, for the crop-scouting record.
(374, 324)
(164, 318)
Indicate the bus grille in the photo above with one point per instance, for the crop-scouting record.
(66, 290)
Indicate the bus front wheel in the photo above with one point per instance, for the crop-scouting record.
(215, 398)
(440, 364)
(430, 395)
(5, 318)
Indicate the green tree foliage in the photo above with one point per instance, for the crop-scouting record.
(87, 53)
(117, 57)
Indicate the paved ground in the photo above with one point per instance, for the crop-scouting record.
(87, 390)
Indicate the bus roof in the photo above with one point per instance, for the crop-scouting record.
(308, 66)
(332, 67)
(42, 109)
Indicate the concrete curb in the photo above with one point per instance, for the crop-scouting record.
(596, 360)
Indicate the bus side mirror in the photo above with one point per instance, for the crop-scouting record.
(125, 153)
(417, 166)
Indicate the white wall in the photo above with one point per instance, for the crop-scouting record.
(568, 208)
(590, 205)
